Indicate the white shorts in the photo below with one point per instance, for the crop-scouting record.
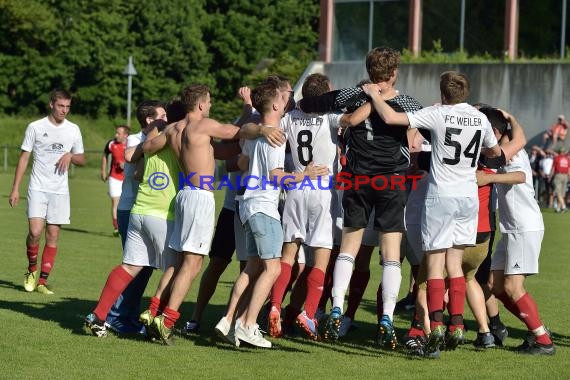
(307, 216)
(517, 253)
(146, 244)
(54, 208)
(448, 222)
(412, 244)
(239, 232)
(370, 237)
(115, 187)
(194, 221)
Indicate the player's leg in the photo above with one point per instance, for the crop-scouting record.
(35, 230)
(268, 236)
(223, 246)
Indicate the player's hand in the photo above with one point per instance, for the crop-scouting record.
(274, 136)
(483, 178)
(14, 198)
(245, 94)
(315, 171)
(62, 165)
(371, 89)
(103, 176)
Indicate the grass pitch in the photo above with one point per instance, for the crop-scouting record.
(41, 336)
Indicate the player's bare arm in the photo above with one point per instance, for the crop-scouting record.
(513, 178)
(274, 136)
(20, 170)
(358, 116)
(247, 111)
(62, 165)
(386, 112)
(104, 167)
(311, 170)
(518, 140)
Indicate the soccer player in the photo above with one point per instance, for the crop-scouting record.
(516, 255)
(258, 210)
(124, 315)
(372, 149)
(115, 175)
(229, 234)
(449, 219)
(194, 206)
(55, 143)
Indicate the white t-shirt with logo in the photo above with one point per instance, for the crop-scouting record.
(518, 210)
(262, 192)
(48, 143)
(458, 133)
(130, 185)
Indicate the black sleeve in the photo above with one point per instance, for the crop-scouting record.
(107, 151)
(337, 100)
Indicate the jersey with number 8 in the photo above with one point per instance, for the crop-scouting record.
(312, 137)
(458, 133)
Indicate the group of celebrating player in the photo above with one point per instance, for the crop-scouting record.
(376, 138)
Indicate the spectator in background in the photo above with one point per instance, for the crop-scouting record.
(114, 174)
(545, 166)
(560, 178)
(556, 133)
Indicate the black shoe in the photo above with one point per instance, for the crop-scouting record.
(407, 303)
(415, 344)
(539, 349)
(484, 340)
(500, 333)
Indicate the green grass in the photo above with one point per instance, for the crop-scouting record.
(41, 336)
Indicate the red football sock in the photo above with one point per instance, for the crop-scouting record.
(154, 306)
(509, 305)
(456, 304)
(530, 317)
(32, 252)
(115, 224)
(117, 281)
(379, 303)
(170, 317)
(315, 282)
(48, 258)
(280, 286)
(435, 294)
(358, 284)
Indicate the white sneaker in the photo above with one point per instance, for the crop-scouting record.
(252, 335)
(225, 331)
(345, 324)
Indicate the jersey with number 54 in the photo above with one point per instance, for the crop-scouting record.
(458, 132)
(312, 138)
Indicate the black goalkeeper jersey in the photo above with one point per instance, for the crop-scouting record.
(372, 147)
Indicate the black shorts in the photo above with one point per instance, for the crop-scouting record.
(384, 195)
(224, 243)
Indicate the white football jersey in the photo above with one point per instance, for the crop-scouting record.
(262, 191)
(48, 143)
(312, 137)
(458, 132)
(518, 210)
(130, 185)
